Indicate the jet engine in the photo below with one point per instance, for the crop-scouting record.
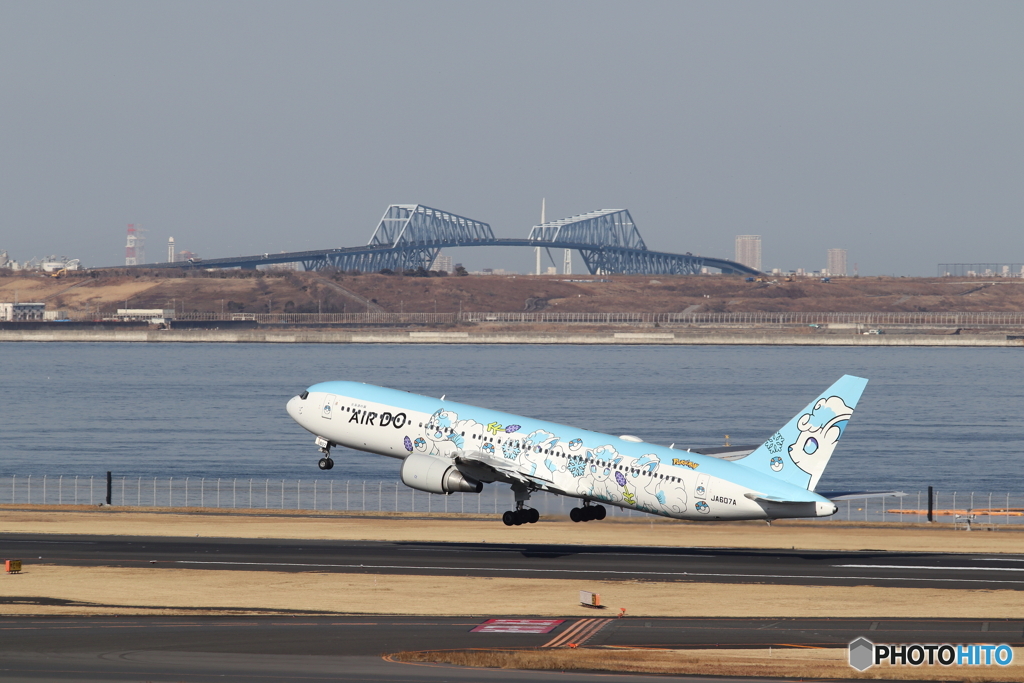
(436, 475)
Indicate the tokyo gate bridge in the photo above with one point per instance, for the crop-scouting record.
(410, 236)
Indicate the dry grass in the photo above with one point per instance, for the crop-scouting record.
(204, 292)
(786, 663)
(169, 588)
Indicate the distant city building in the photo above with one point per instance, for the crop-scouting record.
(170, 250)
(52, 264)
(981, 269)
(150, 314)
(186, 255)
(33, 311)
(748, 250)
(442, 263)
(837, 262)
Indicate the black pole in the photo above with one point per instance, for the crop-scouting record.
(109, 487)
(931, 500)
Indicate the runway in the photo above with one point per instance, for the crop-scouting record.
(608, 563)
(349, 648)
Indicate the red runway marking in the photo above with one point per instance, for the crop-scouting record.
(517, 626)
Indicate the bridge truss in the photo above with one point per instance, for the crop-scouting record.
(609, 242)
(410, 236)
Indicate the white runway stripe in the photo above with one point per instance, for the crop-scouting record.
(908, 566)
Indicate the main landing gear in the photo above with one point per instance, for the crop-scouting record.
(522, 514)
(325, 447)
(587, 513)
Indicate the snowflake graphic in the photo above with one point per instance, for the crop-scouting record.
(774, 444)
(577, 467)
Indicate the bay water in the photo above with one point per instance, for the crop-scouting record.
(950, 417)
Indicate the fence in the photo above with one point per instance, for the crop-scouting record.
(962, 319)
(393, 496)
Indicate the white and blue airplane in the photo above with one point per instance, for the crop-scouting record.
(449, 447)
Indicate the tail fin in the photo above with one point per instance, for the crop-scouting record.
(799, 452)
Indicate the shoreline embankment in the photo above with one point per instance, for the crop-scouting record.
(750, 337)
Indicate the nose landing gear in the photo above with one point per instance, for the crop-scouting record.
(588, 512)
(325, 447)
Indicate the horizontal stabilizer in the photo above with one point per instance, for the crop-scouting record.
(725, 452)
(773, 499)
(853, 495)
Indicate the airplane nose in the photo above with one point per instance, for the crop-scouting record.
(294, 407)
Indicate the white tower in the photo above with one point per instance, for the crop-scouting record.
(170, 250)
(537, 249)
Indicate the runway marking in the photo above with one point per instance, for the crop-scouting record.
(996, 559)
(53, 542)
(607, 572)
(579, 633)
(535, 552)
(517, 626)
(914, 566)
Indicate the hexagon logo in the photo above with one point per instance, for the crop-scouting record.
(862, 654)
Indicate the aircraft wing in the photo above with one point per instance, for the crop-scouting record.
(503, 468)
(853, 495)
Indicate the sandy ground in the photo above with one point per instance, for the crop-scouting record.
(813, 663)
(636, 531)
(157, 588)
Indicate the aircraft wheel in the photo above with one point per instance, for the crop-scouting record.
(509, 518)
(325, 463)
(532, 516)
(576, 515)
(600, 512)
(330, 463)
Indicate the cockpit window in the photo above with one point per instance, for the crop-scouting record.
(304, 395)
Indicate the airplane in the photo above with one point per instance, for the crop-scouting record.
(449, 447)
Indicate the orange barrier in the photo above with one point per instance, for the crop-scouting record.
(994, 512)
(12, 566)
